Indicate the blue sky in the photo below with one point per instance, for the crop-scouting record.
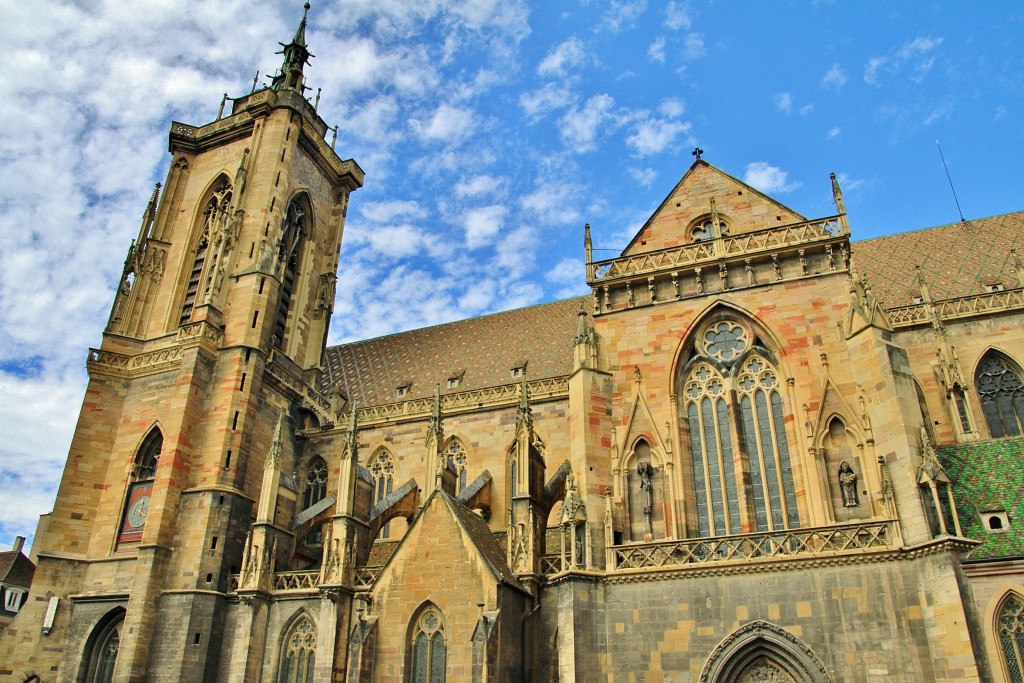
(490, 131)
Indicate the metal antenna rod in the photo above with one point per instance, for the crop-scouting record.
(950, 181)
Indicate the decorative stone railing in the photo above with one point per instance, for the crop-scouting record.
(295, 581)
(539, 390)
(960, 307)
(366, 577)
(772, 239)
(772, 545)
(551, 564)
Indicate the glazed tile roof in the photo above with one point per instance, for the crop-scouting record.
(956, 260)
(988, 476)
(484, 349)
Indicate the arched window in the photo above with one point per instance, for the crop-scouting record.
(1010, 628)
(1001, 391)
(456, 452)
(704, 229)
(101, 649)
(148, 456)
(382, 467)
(316, 484)
(731, 374)
(215, 215)
(428, 647)
(288, 259)
(298, 656)
(140, 491)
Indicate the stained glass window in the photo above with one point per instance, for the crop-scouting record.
(429, 649)
(316, 484)
(456, 452)
(299, 656)
(103, 654)
(1011, 637)
(1002, 396)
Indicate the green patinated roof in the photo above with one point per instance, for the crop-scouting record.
(987, 476)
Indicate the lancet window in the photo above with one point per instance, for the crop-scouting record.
(456, 453)
(1010, 629)
(731, 384)
(215, 214)
(428, 647)
(382, 468)
(148, 457)
(140, 489)
(102, 650)
(1001, 391)
(298, 658)
(294, 229)
(316, 484)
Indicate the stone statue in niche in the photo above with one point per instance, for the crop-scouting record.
(646, 472)
(848, 484)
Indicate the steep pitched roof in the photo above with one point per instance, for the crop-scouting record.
(742, 207)
(956, 260)
(16, 569)
(988, 476)
(486, 348)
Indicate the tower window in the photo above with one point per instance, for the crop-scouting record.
(1001, 390)
(288, 257)
(215, 218)
(316, 484)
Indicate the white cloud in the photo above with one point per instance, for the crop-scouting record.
(537, 103)
(832, 133)
(783, 102)
(623, 13)
(653, 136)
(693, 47)
(671, 107)
(482, 224)
(834, 78)
(476, 186)
(566, 272)
(643, 176)
(563, 57)
(768, 178)
(579, 128)
(384, 211)
(553, 202)
(446, 124)
(677, 16)
(656, 50)
(917, 55)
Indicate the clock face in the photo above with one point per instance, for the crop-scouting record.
(138, 511)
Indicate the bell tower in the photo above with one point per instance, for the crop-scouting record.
(209, 364)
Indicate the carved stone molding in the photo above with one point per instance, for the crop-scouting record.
(108, 363)
(746, 646)
(958, 308)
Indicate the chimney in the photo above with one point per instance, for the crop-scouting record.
(19, 543)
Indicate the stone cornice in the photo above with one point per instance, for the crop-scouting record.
(101, 362)
(958, 308)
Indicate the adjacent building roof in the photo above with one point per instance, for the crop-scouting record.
(481, 352)
(987, 477)
(16, 569)
(955, 260)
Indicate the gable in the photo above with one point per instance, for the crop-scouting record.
(740, 207)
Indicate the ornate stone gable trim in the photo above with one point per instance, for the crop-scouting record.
(749, 642)
(915, 315)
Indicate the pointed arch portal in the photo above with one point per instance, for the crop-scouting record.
(760, 651)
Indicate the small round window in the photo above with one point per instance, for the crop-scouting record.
(725, 341)
(705, 230)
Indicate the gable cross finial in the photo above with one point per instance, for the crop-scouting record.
(697, 152)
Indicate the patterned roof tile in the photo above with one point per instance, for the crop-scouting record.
(955, 260)
(988, 476)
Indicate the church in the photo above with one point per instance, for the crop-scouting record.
(758, 450)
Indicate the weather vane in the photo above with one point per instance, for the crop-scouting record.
(697, 151)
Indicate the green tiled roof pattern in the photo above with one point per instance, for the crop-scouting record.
(956, 260)
(486, 348)
(988, 475)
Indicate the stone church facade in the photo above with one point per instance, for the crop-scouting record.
(757, 451)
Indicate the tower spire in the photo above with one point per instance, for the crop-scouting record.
(296, 56)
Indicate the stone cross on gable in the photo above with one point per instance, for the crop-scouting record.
(697, 152)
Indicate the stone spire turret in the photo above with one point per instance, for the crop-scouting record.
(296, 56)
